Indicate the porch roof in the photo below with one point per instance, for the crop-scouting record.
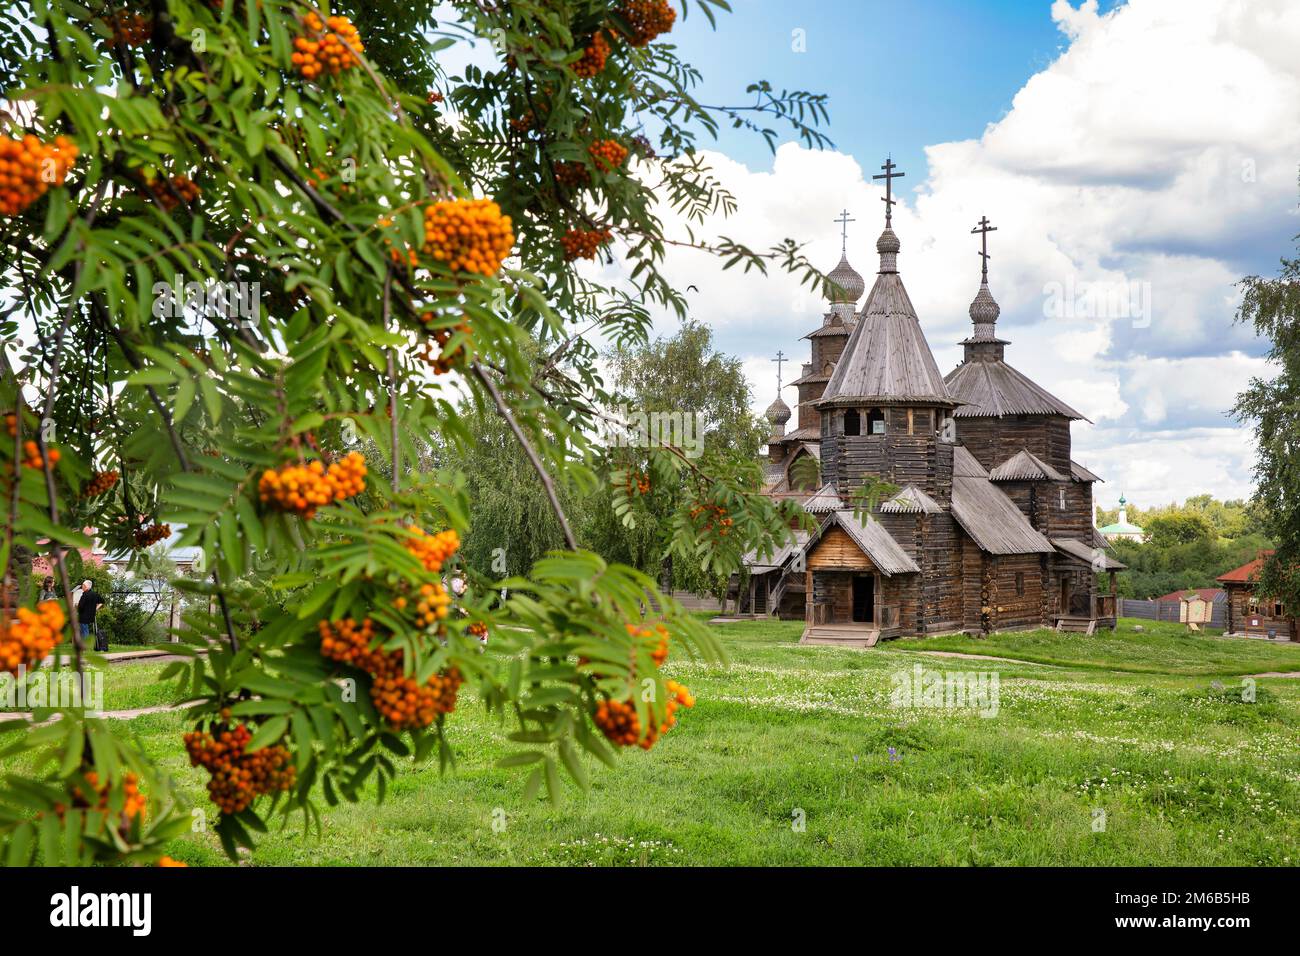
(876, 543)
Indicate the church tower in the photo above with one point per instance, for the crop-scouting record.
(884, 405)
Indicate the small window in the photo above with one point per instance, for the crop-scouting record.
(1253, 604)
(875, 422)
(1278, 609)
(852, 422)
(1020, 583)
(1062, 490)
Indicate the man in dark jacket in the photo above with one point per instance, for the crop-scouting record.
(87, 606)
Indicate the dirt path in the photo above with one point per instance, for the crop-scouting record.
(108, 714)
(982, 657)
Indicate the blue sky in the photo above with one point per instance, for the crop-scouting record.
(1150, 145)
(900, 75)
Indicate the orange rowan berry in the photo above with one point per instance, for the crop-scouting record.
(166, 861)
(149, 535)
(647, 19)
(28, 168)
(30, 636)
(32, 456)
(432, 550)
(435, 97)
(445, 360)
(237, 775)
(327, 47)
(302, 489)
(172, 192)
(583, 244)
(571, 174)
(608, 154)
(11, 425)
(129, 29)
(595, 53)
(468, 235)
(100, 482)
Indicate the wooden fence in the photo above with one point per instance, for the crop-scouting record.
(1168, 611)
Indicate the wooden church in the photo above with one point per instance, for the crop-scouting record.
(986, 523)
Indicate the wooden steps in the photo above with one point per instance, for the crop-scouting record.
(841, 635)
(1076, 625)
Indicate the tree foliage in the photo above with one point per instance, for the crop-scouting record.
(343, 208)
(1272, 306)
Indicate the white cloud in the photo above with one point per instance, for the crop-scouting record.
(1151, 155)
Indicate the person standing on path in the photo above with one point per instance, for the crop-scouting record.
(47, 589)
(88, 605)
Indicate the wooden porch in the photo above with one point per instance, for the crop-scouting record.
(1102, 612)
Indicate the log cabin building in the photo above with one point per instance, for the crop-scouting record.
(1252, 614)
(987, 523)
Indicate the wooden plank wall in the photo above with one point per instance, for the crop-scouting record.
(993, 440)
(836, 550)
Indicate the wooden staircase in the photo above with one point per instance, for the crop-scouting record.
(841, 635)
(1076, 625)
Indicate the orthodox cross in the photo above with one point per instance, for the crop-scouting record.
(889, 176)
(844, 220)
(779, 360)
(983, 228)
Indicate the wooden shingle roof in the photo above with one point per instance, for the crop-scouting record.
(887, 358)
(1025, 466)
(1079, 473)
(995, 389)
(987, 514)
(1094, 556)
(911, 500)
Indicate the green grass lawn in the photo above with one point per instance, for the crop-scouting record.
(1132, 725)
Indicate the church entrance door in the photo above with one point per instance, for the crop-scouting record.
(864, 598)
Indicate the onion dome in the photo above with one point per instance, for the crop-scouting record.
(888, 245)
(849, 284)
(778, 413)
(984, 312)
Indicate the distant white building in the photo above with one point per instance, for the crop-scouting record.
(1121, 530)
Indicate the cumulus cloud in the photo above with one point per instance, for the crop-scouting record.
(1133, 181)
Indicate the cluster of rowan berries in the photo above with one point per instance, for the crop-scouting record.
(659, 634)
(431, 606)
(172, 192)
(32, 635)
(168, 861)
(469, 235)
(572, 174)
(435, 97)
(594, 54)
(329, 47)
(32, 456)
(638, 483)
(318, 178)
(432, 549)
(28, 168)
(607, 154)
(717, 514)
(478, 629)
(150, 535)
(133, 804)
(584, 243)
(129, 29)
(522, 124)
(618, 720)
(238, 775)
(648, 19)
(444, 361)
(11, 424)
(100, 482)
(302, 489)
(401, 701)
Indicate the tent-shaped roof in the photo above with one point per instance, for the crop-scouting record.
(1025, 466)
(987, 514)
(994, 389)
(1079, 473)
(824, 500)
(780, 557)
(911, 500)
(887, 358)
